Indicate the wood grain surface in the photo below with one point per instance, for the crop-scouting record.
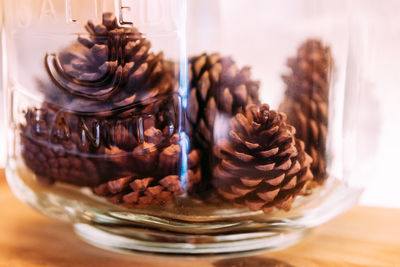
(364, 236)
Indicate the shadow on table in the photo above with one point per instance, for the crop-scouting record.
(45, 242)
(251, 262)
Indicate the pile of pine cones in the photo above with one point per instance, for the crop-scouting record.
(111, 121)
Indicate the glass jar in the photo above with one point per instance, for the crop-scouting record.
(175, 127)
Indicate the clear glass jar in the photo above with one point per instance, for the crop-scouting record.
(175, 127)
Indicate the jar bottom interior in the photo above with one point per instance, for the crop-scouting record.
(186, 226)
(170, 243)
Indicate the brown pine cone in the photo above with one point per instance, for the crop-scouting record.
(217, 86)
(307, 99)
(136, 192)
(310, 118)
(50, 164)
(262, 165)
(55, 153)
(111, 68)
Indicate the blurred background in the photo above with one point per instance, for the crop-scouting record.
(379, 125)
(378, 119)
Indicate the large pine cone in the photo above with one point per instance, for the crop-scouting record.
(262, 165)
(217, 87)
(306, 100)
(111, 68)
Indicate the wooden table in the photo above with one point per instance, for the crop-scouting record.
(365, 236)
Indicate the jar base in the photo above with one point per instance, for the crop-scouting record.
(208, 245)
(113, 228)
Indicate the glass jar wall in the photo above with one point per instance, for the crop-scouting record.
(158, 126)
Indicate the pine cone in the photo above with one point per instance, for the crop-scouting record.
(263, 165)
(112, 68)
(307, 99)
(54, 153)
(217, 87)
(136, 192)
